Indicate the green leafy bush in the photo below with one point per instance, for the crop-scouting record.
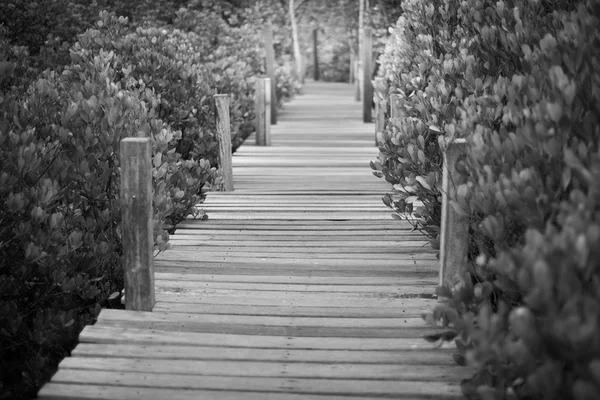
(60, 245)
(230, 45)
(519, 81)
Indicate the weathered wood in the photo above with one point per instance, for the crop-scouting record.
(137, 223)
(416, 310)
(224, 140)
(74, 391)
(263, 111)
(367, 89)
(358, 81)
(109, 335)
(351, 68)
(315, 46)
(454, 243)
(133, 350)
(270, 61)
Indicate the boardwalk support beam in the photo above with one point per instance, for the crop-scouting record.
(263, 111)
(224, 139)
(454, 243)
(137, 223)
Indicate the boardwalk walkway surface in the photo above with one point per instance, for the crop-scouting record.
(299, 286)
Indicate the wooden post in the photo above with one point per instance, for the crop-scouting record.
(268, 32)
(379, 109)
(352, 68)
(224, 139)
(359, 79)
(263, 111)
(137, 223)
(367, 88)
(454, 241)
(316, 74)
(395, 110)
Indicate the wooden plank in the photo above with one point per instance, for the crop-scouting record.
(424, 373)
(56, 391)
(157, 338)
(178, 320)
(134, 350)
(346, 387)
(410, 310)
(351, 282)
(290, 300)
(272, 287)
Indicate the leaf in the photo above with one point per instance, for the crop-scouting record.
(113, 295)
(69, 323)
(112, 115)
(434, 128)
(457, 208)
(423, 182)
(397, 216)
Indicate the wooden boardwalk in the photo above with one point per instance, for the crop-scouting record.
(299, 286)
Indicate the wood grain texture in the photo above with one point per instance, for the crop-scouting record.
(224, 140)
(136, 225)
(262, 105)
(299, 285)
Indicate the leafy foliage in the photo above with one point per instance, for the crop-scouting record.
(519, 81)
(60, 243)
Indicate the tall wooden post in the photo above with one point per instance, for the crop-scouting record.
(454, 241)
(268, 32)
(379, 109)
(367, 88)
(263, 111)
(137, 223)
(224, 140)
(351, 69)
(359, 79)
(316, 73)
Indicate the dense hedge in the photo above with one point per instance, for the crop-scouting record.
(60, 240)
(520, 81)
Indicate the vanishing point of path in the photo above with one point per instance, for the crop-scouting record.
(299, 286)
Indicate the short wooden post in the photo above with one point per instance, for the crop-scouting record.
(137, 223)
(268, 33)
(315, 44)
(263, 111)
(224, 140)
(351, 69)
(379, 109)
(396, 110)
(367, 69)
(454, 241)
(359, 79)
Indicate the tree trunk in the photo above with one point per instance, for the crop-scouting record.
(296, 43)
